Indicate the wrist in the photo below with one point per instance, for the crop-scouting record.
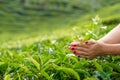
(104, 47)
(108, 49)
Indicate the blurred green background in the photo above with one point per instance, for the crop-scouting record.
(22, 19)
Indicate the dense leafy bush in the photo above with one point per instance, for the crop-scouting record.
(51, 60)
(46, 57)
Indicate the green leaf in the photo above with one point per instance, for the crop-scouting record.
(114, 66)
(102, 74)
(10, 54)
(48, 62)
(7, 77)
(69, 71)
(46, 67)
(98, 66)
(83, 72)
(46, 75)
(18, 76)
(1, 63)
(74, 59)
(115, 74)
(34, 62)
(90, 78)
(107, 68)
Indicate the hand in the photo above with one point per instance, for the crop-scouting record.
(89, 49)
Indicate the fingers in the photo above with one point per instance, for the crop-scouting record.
(84, 55)
(81, 54)
(79, 49)
(85, 49)
(90, 42)
(82, 50)
(78, 52)
(80, 44)
(75, 43)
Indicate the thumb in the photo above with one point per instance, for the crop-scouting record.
(75, 43)
(89, 42)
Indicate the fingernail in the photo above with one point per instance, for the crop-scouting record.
(86, 42)
(72, 48)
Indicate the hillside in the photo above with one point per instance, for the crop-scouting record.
(15, 27)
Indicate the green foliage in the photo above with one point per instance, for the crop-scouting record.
(46, 57)
(7, 77)
(50, 59)
(34, 62)
(69, 71)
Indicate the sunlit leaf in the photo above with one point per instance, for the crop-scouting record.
(7, 77)
(98, 66)
(46, 75)
(69, 71)
(34, 62)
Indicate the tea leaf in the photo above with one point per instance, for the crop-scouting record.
(7, 77)
(69, 71)
(98, 66)
(83, 72)
(46, 75)
(34, 62)
(114, 66)
(102, 74)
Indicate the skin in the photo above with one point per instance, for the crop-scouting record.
(108, 45)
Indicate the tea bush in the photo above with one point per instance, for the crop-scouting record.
(50, 59)
(46, 57)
